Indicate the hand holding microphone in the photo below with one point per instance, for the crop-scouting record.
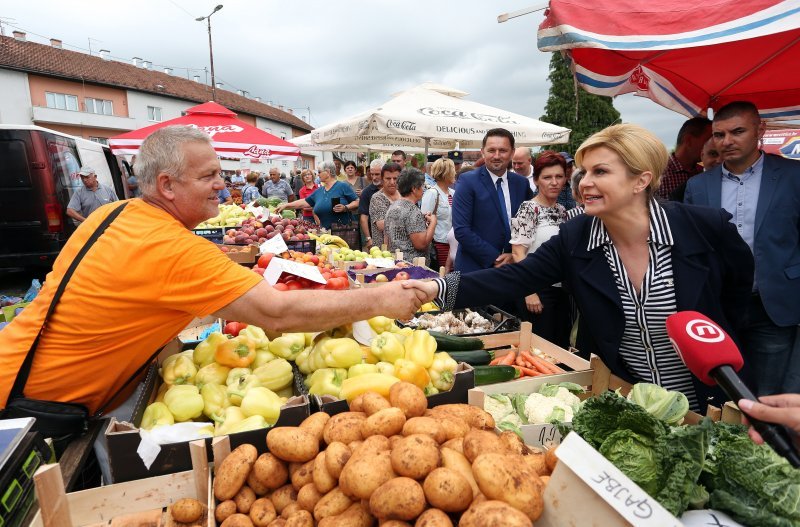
(783, 409)
(712, 356)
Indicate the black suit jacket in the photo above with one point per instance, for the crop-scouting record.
(712, 268)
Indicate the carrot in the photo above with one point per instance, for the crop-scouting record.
(495, 361)
(508, 358)
(545, 366)
(527, 372)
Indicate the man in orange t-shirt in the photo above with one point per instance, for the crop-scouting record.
(148, 276)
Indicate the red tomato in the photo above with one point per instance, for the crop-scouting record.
(264, 259)
(280, 287)
(294, 285)
(326, 275)
(233, 328)
(339, 273)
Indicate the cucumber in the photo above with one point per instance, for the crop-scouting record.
(475, 357)
(446, 342)
(494, 374)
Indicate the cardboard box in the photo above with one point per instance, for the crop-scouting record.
(123, 437)
(133, 503)
(245, 254)
(464, 381)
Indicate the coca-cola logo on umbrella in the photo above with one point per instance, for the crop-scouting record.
(219, 129)
(256, 151)
(461, 114)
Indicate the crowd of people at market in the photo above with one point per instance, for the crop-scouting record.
(596, 256)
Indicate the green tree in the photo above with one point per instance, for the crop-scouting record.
(585, 116)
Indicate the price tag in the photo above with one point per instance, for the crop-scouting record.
(541, 435)
(380, 262)
(707, 518)
(611, 485)
(274, 245)
(277, 266)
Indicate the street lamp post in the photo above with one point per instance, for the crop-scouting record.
(211, 51)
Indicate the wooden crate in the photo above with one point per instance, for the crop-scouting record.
(137, 503)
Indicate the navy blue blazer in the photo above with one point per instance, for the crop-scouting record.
(712, 267)
(477, 218)
(777, 232)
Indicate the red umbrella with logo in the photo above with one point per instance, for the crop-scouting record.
(230, 136)
(685, 57)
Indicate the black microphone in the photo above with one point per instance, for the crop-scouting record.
(713, 357)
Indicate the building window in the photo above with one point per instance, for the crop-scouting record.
(61, 101)
(154, 113)
(101, 140)
(100, 106)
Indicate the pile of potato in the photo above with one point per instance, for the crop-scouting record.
(392, 462)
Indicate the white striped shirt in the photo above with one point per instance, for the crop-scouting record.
(645, 348)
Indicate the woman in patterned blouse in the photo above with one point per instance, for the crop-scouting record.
(407, 228)
(536, 222)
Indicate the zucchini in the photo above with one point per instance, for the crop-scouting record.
(494, 374)
(475, 357)
(446, 342)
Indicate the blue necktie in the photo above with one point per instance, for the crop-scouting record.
(502, 197)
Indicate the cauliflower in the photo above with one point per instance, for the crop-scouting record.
(511, 418)
(498, 405)
(540, 409)
(562, 394)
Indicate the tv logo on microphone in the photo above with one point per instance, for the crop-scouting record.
(704, 331)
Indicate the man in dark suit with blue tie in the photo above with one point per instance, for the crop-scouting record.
(485, 201)
(762, 192)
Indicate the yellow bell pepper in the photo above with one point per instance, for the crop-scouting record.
(285, 393)
(369, 357)
(420, 347)
(180, 370)
(302, 360)
(257, 335)
(341, 353)
(235, 374)
(443, 371)
(381, 324)
(361, 369)
(410, 371)
(254, 422)
(262, 401)
(215, 401)
(204, 352)
(341, 331)
(263, 356)
(387, 348)
(402, 333)
(385, 367)
(288, 346)
(326, 381)
(232, 416)
(275, 375)
(237, 390)
(184, 402)
(369, 382)
(156, 414)
(238, 352)
(161, 391)
(211, 374)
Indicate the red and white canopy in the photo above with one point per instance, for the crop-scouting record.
(685, 57)
(230, 136)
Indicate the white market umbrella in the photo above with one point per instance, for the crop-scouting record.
(306, 143)
(425, 118)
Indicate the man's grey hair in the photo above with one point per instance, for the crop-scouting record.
(376, 163)
(162, 151)
(327, 166)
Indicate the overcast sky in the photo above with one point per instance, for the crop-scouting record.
(337, 58)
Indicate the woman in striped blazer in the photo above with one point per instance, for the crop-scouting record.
(629, 263)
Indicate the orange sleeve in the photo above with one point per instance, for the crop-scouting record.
(202, 279)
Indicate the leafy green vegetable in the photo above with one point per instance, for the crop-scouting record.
(571, 386)
(558, 415)
(638, 456)
(273, 201)
(669, 406)
(604, 414)
(288, 214)
(548, 390)
(684, 455)
(751, 482)
(518, 401)
(262, 202)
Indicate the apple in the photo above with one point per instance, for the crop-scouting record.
(402, 275)
(233, 328)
